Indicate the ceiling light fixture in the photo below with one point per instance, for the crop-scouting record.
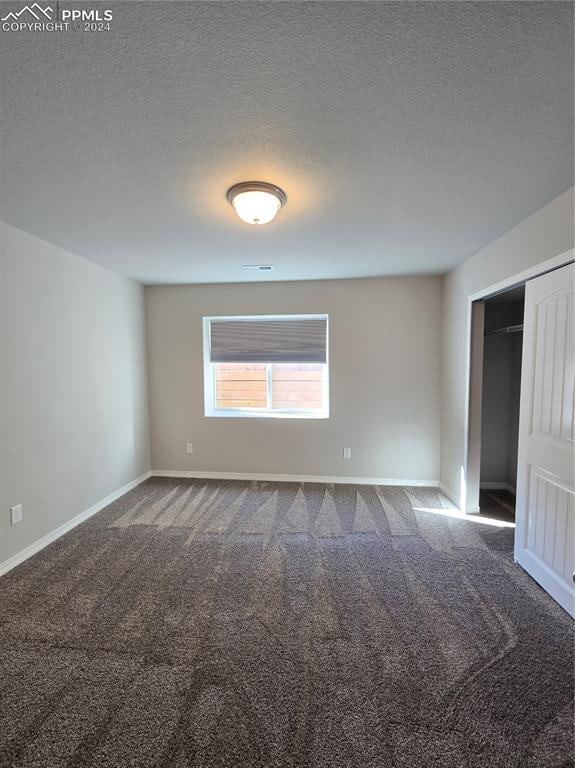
(256, 202)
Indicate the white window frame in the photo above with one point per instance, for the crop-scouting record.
(210, 409)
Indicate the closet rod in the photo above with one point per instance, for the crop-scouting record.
(507, 329)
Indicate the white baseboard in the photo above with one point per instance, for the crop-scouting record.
(450, 495)
(38, 545)
(335, 479)
(32, 549)
(497, 486)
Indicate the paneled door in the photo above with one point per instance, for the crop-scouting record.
(545, 515)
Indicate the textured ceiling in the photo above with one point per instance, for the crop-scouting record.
(406, 135)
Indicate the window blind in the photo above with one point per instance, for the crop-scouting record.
(290, 340)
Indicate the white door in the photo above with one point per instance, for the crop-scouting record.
(545, 516)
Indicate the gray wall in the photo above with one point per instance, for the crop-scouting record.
(495, 408)
(500, 408)
(514, 398)
(73, 408)
(385, 337)
(547, 233)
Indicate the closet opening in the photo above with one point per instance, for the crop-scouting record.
(501, 392)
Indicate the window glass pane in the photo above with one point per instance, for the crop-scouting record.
(297, 385)
(241, 385)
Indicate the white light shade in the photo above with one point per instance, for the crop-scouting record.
(256, 202)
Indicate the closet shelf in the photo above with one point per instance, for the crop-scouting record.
(507, 329)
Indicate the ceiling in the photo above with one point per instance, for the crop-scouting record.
(406, 135)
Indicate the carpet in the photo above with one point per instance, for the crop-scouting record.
(251, 624)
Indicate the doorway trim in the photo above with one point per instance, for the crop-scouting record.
(469, 494)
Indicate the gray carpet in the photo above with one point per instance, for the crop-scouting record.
(498, 503)
(238, 624)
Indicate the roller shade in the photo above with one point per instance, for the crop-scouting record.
(290, 340)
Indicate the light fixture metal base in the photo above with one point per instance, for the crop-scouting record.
(256, 186)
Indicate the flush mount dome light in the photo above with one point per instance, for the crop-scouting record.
(256, 202)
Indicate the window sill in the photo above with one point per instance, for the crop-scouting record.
(221, 413)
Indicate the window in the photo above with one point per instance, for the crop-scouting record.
(266, 366)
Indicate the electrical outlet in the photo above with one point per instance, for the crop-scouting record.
(347, 453)
(15, 514)
(189, 448)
